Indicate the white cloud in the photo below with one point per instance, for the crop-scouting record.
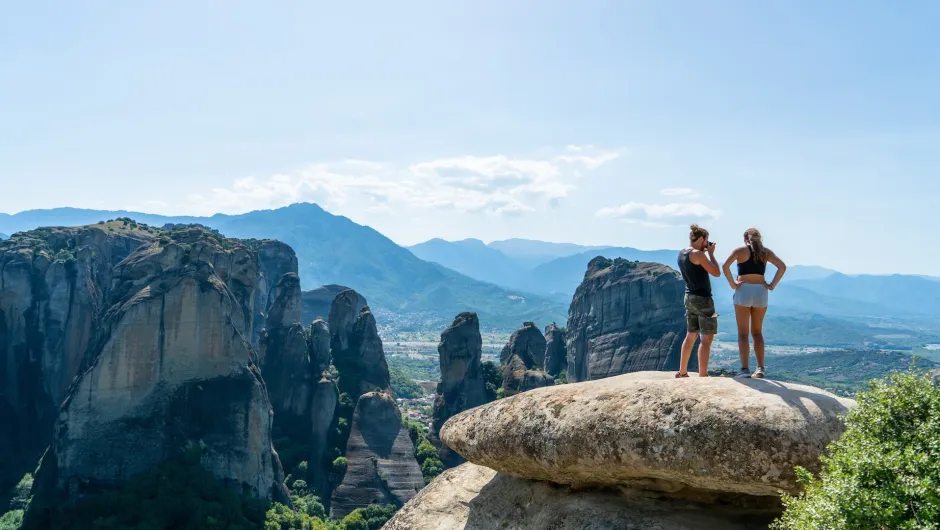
(659, 213)
(497, 184)
(685, 193)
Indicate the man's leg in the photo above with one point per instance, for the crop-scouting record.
(709, 327)
(704, 351)
(687, 345)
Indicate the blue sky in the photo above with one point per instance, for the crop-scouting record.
(597, 122)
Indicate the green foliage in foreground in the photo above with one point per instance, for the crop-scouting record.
(403, 385)
(884, 471)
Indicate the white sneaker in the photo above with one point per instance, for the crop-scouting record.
(743, 372)
(759, 374)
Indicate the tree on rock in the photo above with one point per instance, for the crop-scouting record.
(884, 471)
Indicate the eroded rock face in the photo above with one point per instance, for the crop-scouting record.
(322, 408)
(171, 366)
(356, 347)
(626, 316)
(556, 352)
(522, 361)
(651, 431)
(54, 284)
(381, 466)
(317, 302)
(472, 497)
(285, 360)
(462, 386)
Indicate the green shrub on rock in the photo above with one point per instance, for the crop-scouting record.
(884, 471)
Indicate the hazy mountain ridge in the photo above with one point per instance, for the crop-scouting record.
(335, 250)
(514, 280)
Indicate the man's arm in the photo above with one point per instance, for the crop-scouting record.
(726, 268)
(709, 263)
(781, 269)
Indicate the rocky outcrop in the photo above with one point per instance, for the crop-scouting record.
(473, 497)
(54, 284)
(322, 408)
(462, 386)
(556, 352)
(626, 316)
(356, 347)
(317, 302)
(650, 430)
(381, 466)
(285, 360)
(171, 366)
(522, 361)
(642, 450)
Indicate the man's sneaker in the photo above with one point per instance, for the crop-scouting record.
(759, 374)
(744, 372)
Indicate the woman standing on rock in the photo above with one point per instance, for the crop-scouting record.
(751, 294)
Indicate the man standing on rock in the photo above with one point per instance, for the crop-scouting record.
(696, 262)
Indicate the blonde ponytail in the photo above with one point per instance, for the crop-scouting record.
(753, 239)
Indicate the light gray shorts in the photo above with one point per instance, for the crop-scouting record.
(750, 295)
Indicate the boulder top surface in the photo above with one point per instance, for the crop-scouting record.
(652, 431)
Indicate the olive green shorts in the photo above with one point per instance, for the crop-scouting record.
(700, 314)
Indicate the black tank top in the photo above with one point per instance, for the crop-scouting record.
(695, 276)
(752, 266)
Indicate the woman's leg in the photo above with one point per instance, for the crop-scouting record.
(757, 330)
(743, 315)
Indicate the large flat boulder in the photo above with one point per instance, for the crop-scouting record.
(472, 497)
(652, 431)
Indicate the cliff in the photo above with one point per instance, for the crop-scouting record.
(317, 302)
(626, 316)
(54, 284)
(356, 347)
(171, 366)
(462, 385)
(556, 351)
(522, 361)
(381, 464)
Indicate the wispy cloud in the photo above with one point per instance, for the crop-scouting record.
(685, 193)
(659, 215)
(496, 184)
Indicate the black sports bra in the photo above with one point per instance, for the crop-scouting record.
(752, 266)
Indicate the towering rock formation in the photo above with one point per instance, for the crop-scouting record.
(356, 347)
(626, 316)
(171, 366)
(523, 359)
(285, 361)
(322, 409)
(462, 385)
(556, 352)
(381, 464)
(54, 284)
(317, 302)
(641, 450)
